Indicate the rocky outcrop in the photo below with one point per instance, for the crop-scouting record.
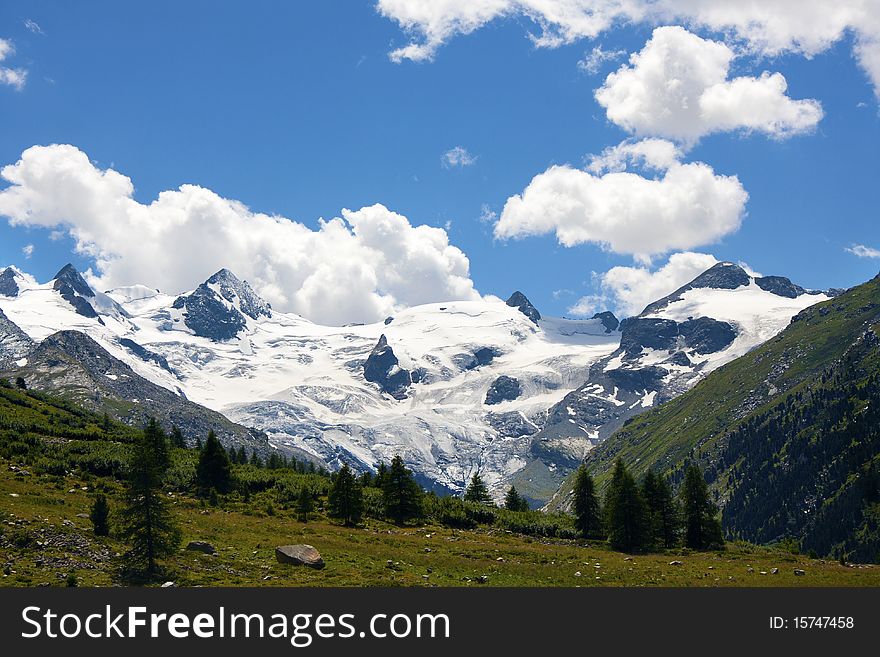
(722, 276)
(74, 290)
(704, 335)
(504, 388)
(382, 367)
(201, 546)
(299, 555)
(609, 321)
(519, 301)
(217, 309)
(780, 286)
(8, 284)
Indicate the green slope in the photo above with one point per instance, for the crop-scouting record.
(784, 433)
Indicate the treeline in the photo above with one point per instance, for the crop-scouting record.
(640, 518)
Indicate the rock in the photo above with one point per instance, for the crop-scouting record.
(169, 585)
(82, 515)
(519, 301)
(722, 276)
(675, 563)
(482, 579)
(8, 284)
(706, 335)
(652, 332)
(299, 555)
(780, 286)
(382, 367)
(799, 572)
(774, 571)
(609, 321)
(73, 288)
(201, 546)
(504, 388)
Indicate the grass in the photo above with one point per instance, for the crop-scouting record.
(45, 539)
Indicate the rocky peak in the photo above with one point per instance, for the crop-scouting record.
(69, 277)
(14, 343)
(382, 367)
(8, 284)
(609, 321)
(233, 289)
(780, 286)
(519, 301)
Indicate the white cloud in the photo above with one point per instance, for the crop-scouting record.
(863, 251)
(677, 87)
(33, 26)
(27, 251)
(594, 60)
(627, 290)
(625, 212)
(767, 27)
(361, 266)
(487, 214)
(457, 157)
(654, 154)
(15, 77)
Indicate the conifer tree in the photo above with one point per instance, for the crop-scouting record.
(513, 501)
(100, 515)
(702, 528)
(304, 504)
(477, 492)
(381, 473)
(146, 521)
(663, 512)
(346, 499)
(587, 512)
(401, 495)
(242, 456)
(213, 471)
(625, 512)
(177, 439)
(255, 459)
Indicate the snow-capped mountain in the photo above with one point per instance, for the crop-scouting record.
(671, 345)
(454, 388)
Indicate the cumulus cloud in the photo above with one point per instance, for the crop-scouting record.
(457, 157)
(14, 77)
(627, 290)
(361, 266)
(863, 251)
(598, 57)
(689, 205)
(27, 251)
(767, 27)
(678, 87)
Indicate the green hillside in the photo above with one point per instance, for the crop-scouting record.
(787, 434)
(54, 457)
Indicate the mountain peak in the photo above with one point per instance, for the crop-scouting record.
(519, 301)
(8, 284)
(233, 288)
(70, 277)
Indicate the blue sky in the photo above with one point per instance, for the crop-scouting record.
(296, 109)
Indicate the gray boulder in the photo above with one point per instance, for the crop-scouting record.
(299, 555)
(201, 546)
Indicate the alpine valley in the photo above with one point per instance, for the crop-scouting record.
(454, 388)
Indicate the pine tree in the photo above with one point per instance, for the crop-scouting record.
(401, 495)
(477, 492)
(199, 443)
(213, 471)
(346, 498)
(587, 512)
(304, 504)
(161, 450)
(702, 528)
(177, 439)
(381, 474)
(625, 512)
(255, 459)
(20, 383)
(146, 521)
(99, 515)
(513, 501)
(663, 512)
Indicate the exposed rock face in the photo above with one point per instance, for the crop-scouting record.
(217, 308)
(504, 388)
(299, 555)
(74, 290)
(382, 367)
(14, 343)
(8, 284)
(780, 286)
(609, 321)
(519, 301)
(145, 354)
(72, 365)
(704, 334)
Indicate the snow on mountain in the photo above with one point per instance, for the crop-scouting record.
(675, 342)
(454, 388)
